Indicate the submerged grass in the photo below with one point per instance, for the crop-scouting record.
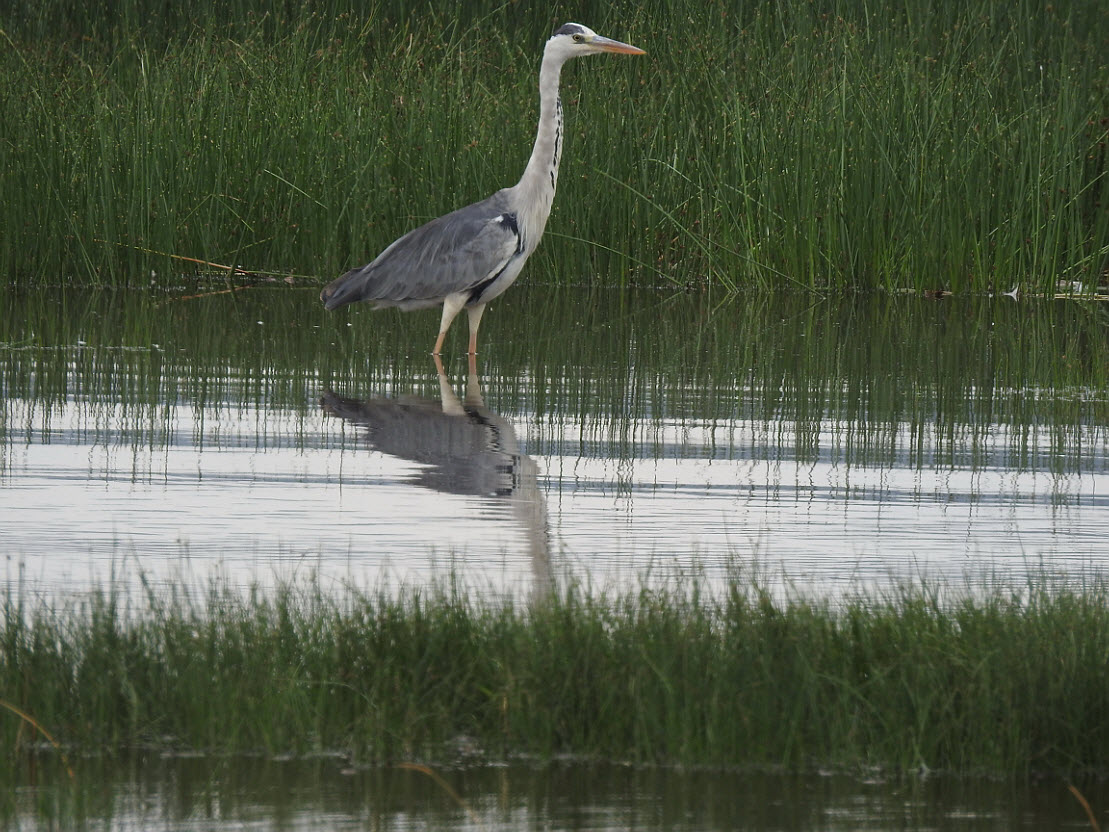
(923, 145)
(1013, 681)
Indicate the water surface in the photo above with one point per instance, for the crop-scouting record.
(167, 794)
(615, 436)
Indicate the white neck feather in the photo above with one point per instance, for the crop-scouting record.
(537, 185)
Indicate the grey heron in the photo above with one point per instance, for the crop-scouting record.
(466, 258)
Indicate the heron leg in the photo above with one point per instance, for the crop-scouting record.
(475, 321)
(451, 405)
(452, 305)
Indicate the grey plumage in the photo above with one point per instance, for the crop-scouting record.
(468, 257)
(454, 253)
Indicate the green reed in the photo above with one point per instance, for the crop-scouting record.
(915, 145)
(1007, 681)
(901, 375)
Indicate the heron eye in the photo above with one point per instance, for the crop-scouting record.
(578, 38)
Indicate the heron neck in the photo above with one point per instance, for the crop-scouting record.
(541, 175)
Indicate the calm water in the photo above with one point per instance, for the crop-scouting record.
(616, 438)
(612, 436)
(165, 794)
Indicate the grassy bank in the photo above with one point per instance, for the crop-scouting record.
(1010, 682)
(923, 145)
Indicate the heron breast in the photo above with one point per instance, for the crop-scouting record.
(501, 280)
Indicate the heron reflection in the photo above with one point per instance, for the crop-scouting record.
(462, 448)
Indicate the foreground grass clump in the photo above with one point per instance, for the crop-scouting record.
(850, 144)
(1012, 682)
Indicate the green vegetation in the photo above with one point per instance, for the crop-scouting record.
(850, 144)
(1010, 681)
(878, 363)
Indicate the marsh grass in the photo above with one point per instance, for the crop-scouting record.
(1010, 681)
(903, 376)
(919, 145)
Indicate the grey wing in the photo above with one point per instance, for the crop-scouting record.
(453, 253)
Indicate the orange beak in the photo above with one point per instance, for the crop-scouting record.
(607, 45)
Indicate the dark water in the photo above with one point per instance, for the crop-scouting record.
(612, 436)
(326, 794)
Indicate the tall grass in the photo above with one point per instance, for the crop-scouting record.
(1012, 681)
(923, 145)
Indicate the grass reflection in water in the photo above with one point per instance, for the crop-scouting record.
(840, 439)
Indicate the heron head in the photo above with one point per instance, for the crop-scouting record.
(572, 40)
